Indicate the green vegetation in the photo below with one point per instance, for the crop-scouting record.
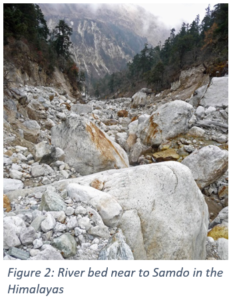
(26, 23)
(158, 66)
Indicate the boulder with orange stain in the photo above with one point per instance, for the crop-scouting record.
(168, 121)
(87, 148)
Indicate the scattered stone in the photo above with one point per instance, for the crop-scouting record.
(100, 231)
(19, 253)
(48, 253)
(117, 249)
(52, 201)
(11, 185)
(66, 244)
(27, 235)
(196, 132)
(69, 211)
(37, 243)
(48, 223)
(84, 223)
(41, 170)
(166, 155)
(12, 227)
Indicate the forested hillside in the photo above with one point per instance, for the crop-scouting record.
(28, 39)
(203, 41)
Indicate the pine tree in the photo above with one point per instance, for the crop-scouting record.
(62, 39)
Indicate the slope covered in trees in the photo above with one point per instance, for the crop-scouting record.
(26, 23)
(159, 66)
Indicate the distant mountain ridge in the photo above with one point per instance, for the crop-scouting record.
(105, 37)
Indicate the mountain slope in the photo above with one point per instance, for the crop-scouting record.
(105, 37)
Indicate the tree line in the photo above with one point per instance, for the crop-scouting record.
(152, 63)
(51, 49)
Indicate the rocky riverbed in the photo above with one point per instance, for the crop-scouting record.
(129, 178)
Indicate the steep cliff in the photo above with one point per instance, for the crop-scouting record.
(105, 37)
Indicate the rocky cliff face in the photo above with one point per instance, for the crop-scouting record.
(105, 37)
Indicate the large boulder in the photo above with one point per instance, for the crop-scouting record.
(168, 121)
(141, 98)
(217, 93)
(207, 164)
(87, 148)
(170, 213)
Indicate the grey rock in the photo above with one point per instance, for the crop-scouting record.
(217, 93)
(107, 205)
(81, 108)
(59, 216)
(71, 222)
(168, 121)
(12, 227)
(220, 138)
(48, 253)
(66, 244)
(52, 201)
(38, 243)
(200, 111)
(31, 125)
(189, 148)
(19, 253)
(36, 223)
(116, 249)
(222, 218)
(42, 149)
(129, 220)
(222, 248)
(27, 235)
(84, 223)
(96, 152)
(16, 174)
(61, 116)
(10, 185)
(69, 211)
(207, 164)
(48, 223)
(196, 132)
(100, 231)
(41, 170)
(34, 252)
(59, 227)
(80, 210)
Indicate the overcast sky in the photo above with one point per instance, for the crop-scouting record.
(173, 15)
